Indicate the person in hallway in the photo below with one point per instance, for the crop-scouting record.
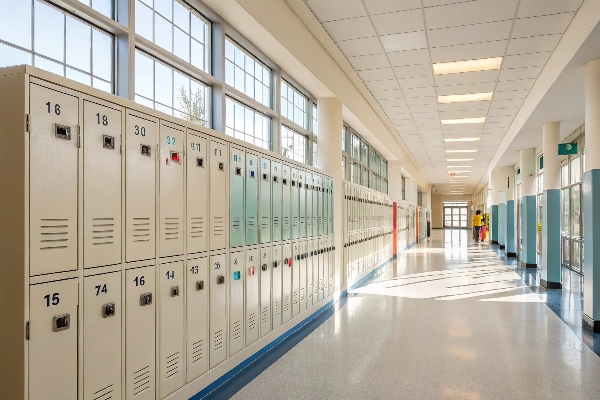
(477, 222)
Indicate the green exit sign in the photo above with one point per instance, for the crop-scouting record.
(565, 149)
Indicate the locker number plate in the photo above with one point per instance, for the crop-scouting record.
(61, 322)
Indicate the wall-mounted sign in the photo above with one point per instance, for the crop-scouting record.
(565, 149)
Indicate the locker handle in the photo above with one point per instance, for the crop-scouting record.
(108, 310)
(146, 150)
(264, 267)
(108, 142)
(293, 183)
(200, 285)
(61, 322)
(221, 166)
(146, 299)
(174, 291)
(238, 171)
(62, 132)
(252, 175)
(275, 264)
(220, 280)
(200, 162)
(265, 177)
(276, 179)
(285, 181)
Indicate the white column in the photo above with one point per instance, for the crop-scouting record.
(592, 116)
(395, 180)
(551, 133)
(528, 172)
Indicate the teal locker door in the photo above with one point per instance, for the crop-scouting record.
(302, 186)
(265, 200)
(252, 179)
(286, 211)
(308, 185)
(236, 196)
(321, 212)
(330, 208)
(277, 207)
(325, 185)
(295, 204)
(314, 215)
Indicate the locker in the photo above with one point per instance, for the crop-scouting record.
(314, 215)
(251, 202)
(315, 270)
(53, 336)
(196, 293)
(53, 175)
(286, 184)
(171, 339)
(236, 196)
(309, 273)
(295, 203)
(321, 279)
(286, 285)
(218, 309)
(331, 263)
(302, 203)
(302, 275)
(252, 312)
(321, 210)
(330, 210)
(309, 203)
(102, 311)
(218, 171)
(237, 277)
(140, 333)
(277, 207)
(171, 201)
(265, 200)
(325, 256)
(140, 188)
(266, 269)
(295, 278)
(325, 185)
(102, 144)
(196, 193)
(277, 263)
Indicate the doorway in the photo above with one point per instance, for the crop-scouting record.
(455, 215)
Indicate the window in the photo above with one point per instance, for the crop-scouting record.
(293, 144)
(344, 129)
(247, 74)
(38, 34)
(364, 153)
(168, 90)
(104, 7)
(403, 188)
(355, 147)
(314, 155)
(248, 125)
(294, 105)
(176, 28)
(315, 120)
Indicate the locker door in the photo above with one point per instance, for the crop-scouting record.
(286, 285)
(102, 311)
(331, 263)
(302, 275)
(330, 207)
(140, 334)
(140, 188)
(197, 317)
(325, 255)
(277, 206)
(171, 341)
(277, 264)
(236, 196)
(102, 132)
(171, 163)
(295, 204)
(252, 312)
(53, 179)
(218, 309)
(286, 184)
(302, 203)
(315, 205)
(197, 193)
(266, 269)
(308, 185)
(295, 278)
(252, 179)
(237, 277)
(309, 273)
(315, 269)
(325, 185)
(321, 212)
(53, 336)
(320, 246)
(265, 200)
(218, 200)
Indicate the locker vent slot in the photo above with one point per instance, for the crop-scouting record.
(172, 368)
(251, 223)
(171, 228)
(197, 227)
(141, 380)
(197, 352)
(302, 294)
(264, 223)
(141, 230)
(252, 322)
(286, 222)
(295, 298)
(264, 316)
(104, 394)
(102, 231)
(236, 224)
(276, 222)
(218, 340)
(277, 309)
(54, 233)
(237, 330)
(295, 221)
(310, 289)
(218, 228)
(286, 303)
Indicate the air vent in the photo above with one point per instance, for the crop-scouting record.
(141, 230)
(264, 315)
(295, 298)
(103, 231)
(104, 394)
(54, 233)
(197, 351)
(251, 223)
(277, 308)
(252, 322)
(310, 290)
(218, 340)
(236, 224)
(276, 222)
(286, 303)
(295, 221)
(264, 223)
(141, 380)
(172, 367)
(197, 227)
(237, 330)
(218, 226)
(171, 226)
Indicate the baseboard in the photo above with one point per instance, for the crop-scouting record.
(510, 254)
(526, 265)
(494, 242)
(550, 285)
(502, 247)
(591, 324)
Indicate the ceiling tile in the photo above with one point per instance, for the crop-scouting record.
(412, 71)
(426, 108)
(543, 25)
(467, 77)
(409, 57)
(380, 74)
(369, 62)
(388, 6)
(520, 73)
(468, 51)
(388, 94)
(417, 82)
(404, 41)
(392, 103)
(502, 112)
(416, 101)
(470, 33)
(526, 60)
(331, 10)
(399, 22)
(471, 12)
(466, 89)
(533, 44)
(504, 86)
(360, 47)
(462, 114)
(530, 8)
(353, 28)
(420, 92)
(501, 120)
(511, 95)
(516, 103)
(388, 84)
(467, 106)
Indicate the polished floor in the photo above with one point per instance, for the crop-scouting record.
(448, 320)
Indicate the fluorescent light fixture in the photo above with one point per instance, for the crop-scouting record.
(458, 172)
(478, 120)
(482, 64)
(460, 159)
(461, 98)
(461, 151)
(459, 166)
(464, 139)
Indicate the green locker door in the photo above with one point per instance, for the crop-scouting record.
(286, 184)
(302, 190)
(252, 180)
(236, 197)
(265, 200)
(277, 207)
(295, 204)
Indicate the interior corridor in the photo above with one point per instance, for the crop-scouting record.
(448, 319)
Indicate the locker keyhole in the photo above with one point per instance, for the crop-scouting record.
(61, 322)
(146, 150)
(264, 267)
(108, 142)
(220, 280)
(62, 132)
(146, 299)
(275, 264)
(293, 183)
(221, 166)
(200, 162)
(238, 171)
(200, 285)
(108, 310)
(174, 291)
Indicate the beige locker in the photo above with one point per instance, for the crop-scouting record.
(295, 278)
(171, 162)
(171, 351)
(218, 195)
(236, 302)
(309, 274)
(331, 263)
(102, 145)
(218, 309)
(252, 290)
(286, 285)
(53, 340)
(266, 269)
(277, 263)
(140, 334)
(315, 270)
(102, 312)
(140, 187)
(197, 317)
(53, 176)
(320, 256)
(301, 268)
(197, 193)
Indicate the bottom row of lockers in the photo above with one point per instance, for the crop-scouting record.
(366, 249)
(181, 318)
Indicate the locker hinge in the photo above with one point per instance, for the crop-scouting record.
(78, 136)
(27, 123)
(27, 331)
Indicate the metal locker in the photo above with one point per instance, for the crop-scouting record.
(236, 196)
(252, 290)
(218, 200)
(325, 189)
(197, 288)
(302, 275)
(237, 277)
(266, 268)
(331, 263)
(102, 145)
(265, 200)
(286, 184)
(140, 333)
(286, 285)
(277, 207)
(302, 203)
(140, 188)
(295, 278)
(170, 210)
(218, 309)
(53, 180)
(330, 207)
(308, 185)
(315, 205)
(251, 203)
(325, 256)
(277, 264)
(315, 270)
(309, 273)
(321, 201)
(197, 193)
(295, 204)
(102, 311)
(321, 279)
(53, 340)
(171, 348)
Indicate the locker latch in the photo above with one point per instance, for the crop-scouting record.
(61, 322)
(275, 179)
(221, 166)
(237, 275)
(238, 171)
(293, 183)
(146, 150)
(200, 285)
(176, 157)
(200, 162)
(62, 132)
(265, 177)
(284, 181)
(264, 267)
(220, 280)
(174, 291)
(252, 175)
(288, 262)
(275, 264)
(108, 310)
(251, 271)
(146, 299)
(108, 142)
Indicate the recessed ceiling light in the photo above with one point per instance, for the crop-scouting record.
(478, 120)
(460, 159)
(461, 98)
(482, 64)
(459, 166)
(461, 151)
(464, 139)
